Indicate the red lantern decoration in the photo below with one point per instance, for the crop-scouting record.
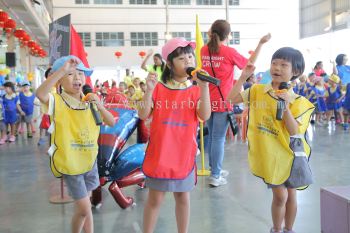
(118, 54)
(3, 18)
(31, 44)
(142, 54)
(25, 39)
(9, 25)
(19, 33)
(42, 53)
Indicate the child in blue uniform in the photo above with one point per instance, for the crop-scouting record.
(11, 105)
(317, 97)
(2, 124)
(346, 107)
(302, 86)
(334, 99)
(26, 101)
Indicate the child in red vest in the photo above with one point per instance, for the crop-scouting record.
(176, 107)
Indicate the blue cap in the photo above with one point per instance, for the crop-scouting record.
(60, 62)
(25, 83)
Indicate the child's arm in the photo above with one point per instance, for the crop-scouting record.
(145, 105)
(44, 89)
(234, 96)
(204, 108)
(256, 53)
(20, 109)
(341, 97)
(335, 70)
(149, 54)
(107, 117)
(288, 119)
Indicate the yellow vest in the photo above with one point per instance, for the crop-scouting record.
(269, 154)
(75, 138)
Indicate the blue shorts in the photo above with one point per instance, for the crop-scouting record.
(79, 186)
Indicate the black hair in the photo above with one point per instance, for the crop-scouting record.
(295, 57)
(167, 73)
(317, 64)
(340, 59)
(10, 85)
(162, 66)
(47, 72)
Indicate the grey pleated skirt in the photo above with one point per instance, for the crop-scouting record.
(165, 185)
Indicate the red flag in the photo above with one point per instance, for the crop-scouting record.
(77, 49)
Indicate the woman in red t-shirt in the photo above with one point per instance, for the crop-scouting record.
(318, 69)
(219, 61)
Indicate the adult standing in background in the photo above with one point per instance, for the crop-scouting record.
(318, 69)
(343, 70)
(158, 66)
(219, 60)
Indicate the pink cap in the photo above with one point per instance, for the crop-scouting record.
(175, 43)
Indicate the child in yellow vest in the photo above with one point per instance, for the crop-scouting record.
(278, 151)
(74, 135)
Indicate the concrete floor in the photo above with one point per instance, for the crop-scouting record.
(241, 206)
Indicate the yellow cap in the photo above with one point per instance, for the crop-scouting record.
(334, 78)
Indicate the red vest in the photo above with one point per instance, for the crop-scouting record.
(172, 146)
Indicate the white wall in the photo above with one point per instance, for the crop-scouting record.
(253, 18)
(325, 48)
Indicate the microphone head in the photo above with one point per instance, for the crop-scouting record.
(189, 70)
(87, 89)
(283, 85)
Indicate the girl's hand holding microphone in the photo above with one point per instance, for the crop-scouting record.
(201, 84)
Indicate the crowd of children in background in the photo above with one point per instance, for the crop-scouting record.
(16, 109)
(327, 92)
(330, 96)
(128, 92)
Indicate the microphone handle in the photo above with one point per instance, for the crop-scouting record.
(205, 78)
(281, 106)
(96, 114)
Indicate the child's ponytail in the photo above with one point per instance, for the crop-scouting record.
(219, 31)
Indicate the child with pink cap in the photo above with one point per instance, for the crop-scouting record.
(176, 106)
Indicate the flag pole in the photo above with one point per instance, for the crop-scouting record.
(199, 45)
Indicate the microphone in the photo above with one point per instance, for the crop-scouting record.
(281, 104)
(95, 113)
(204, 77)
